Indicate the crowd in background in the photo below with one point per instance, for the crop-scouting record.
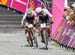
(69, 15)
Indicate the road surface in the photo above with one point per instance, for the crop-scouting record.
(14, 43)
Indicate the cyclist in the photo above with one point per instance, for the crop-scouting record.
(44, 16)
(29, 18)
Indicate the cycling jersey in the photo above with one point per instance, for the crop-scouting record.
(29, 18)
(44, 17)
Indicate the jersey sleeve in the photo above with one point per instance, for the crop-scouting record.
(34, 13)
(24, 16)
(48, 12)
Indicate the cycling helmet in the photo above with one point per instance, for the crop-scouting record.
(38, 9)
(29, 11)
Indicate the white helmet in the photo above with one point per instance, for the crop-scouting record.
(38, 9)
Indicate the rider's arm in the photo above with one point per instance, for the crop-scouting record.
(50, 15)
(36, 18)
(22, 21)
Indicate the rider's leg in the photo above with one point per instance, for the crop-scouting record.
(49, 30)
(26, 29)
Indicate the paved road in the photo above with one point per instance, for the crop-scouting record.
(14, 43)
